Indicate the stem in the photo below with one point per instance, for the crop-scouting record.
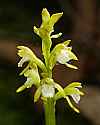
(49, 106)
(46, 45)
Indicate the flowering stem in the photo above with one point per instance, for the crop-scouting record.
(49, 106)
(46, 45)
(42, 79)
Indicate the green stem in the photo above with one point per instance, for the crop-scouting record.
(46, 45)
(49, 106)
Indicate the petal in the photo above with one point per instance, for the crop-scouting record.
(29, 83)
(34, 75)
(72, 90)
(54, 18)
(22, 61)
(21, 88)
(71, 105)
(48, 90)
(28, 55)
(71, 66)
(25, 69)
(60, 92)
(56, 35)
(25, 51)
(64, 54)
(45, 16)
(37, 94)
(36, 30)
(66, 43)
(63, 57)
(76, 97)
(60, 89)
(53, 55)
(75, 84)
(71, 55)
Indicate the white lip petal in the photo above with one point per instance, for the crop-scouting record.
(76, 97)
(28, 83)
(21, 62)
(63, 57)
(48, 90)
(71, 66)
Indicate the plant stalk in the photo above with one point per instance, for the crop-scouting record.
(49, 107)
(49, 104)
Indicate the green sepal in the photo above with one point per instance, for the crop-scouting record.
(24, 70)
(36, 30)
(44, 75)
(28, 55)
(44, 99)
(56, 35)
(71, 105)
(29, 82)
(25, 51)
(21, 88)
(37, 94)
(67, 42)
(33, 78)
(62, 54)
(45, 16)
(70, 90)
(60, 92)
(33, 74)
(74, 84)
(73, 88)
(71, 66)
(47, 80)
(54, 53)
(54, 18)
(71, 55)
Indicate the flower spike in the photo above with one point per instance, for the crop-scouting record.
(38, 73)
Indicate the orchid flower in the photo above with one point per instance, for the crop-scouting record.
(62, 54)
(47, 26)
(28, 56)
(72, 90)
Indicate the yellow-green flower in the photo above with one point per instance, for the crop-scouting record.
(28, 56)
(62, 54)
(32, 75)
(47, 26)
(45, 90)
(72, 90)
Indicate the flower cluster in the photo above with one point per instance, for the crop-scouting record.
(42, 79)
